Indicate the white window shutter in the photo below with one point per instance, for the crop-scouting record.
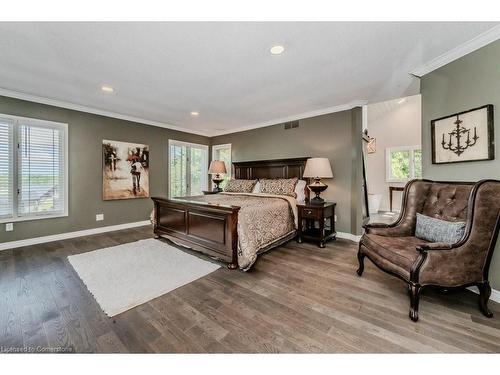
(6, 168)
(40, 170)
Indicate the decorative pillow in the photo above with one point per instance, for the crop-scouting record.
(279, 186)
(300, 190)
(436, 230)
(256, 188)
(240, 186)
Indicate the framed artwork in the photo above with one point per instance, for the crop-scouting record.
(464, 136)
(125, 170)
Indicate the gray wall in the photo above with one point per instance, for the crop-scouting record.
(472, 81)
(86, 132)
(335, 136)
(357, 192)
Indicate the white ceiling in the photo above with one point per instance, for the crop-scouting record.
(377, 111)
(163, 71)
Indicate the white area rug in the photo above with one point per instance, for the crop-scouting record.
(125, 276)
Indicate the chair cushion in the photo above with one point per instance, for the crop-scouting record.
(396, 254)
(435, 230)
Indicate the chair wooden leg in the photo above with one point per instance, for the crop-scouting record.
(361, 261)
(414, 290)
(484, 296)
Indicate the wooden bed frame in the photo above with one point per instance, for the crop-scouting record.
(212, 229)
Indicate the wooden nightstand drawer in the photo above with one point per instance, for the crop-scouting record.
(310, 213)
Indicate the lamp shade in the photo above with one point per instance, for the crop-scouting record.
(216, 167)
(318, 167)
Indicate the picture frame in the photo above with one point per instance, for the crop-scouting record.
(125, 170)
(464, 136)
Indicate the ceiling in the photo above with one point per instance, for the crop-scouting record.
(379, 110)
(161, 72)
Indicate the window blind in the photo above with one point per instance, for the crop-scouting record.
(178, 171)
(6, 169)
(40, 170)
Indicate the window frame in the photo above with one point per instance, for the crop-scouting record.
(215, 148)
(388, 169)
(173, 142)
(229, 168)
(15, 156)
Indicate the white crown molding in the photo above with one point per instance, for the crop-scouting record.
(479, 41)
(95, 111)
(67, 235)
(319, 112)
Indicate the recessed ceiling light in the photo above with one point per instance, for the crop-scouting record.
(107, 89)
(195, 113)
(277, 49)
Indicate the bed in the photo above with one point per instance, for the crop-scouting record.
(233, 227)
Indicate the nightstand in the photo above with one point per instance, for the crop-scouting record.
(316, 222)
(209, 192)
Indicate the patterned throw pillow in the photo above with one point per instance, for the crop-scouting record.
(436, 230)
(279, 186)
(240, 186)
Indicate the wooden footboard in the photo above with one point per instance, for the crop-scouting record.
(210, 229)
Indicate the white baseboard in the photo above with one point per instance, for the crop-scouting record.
(348, 236)
(65, 236)
(110, 228)
(495, 294)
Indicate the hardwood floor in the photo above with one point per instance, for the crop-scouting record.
(298, 298)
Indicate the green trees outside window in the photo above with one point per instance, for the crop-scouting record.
(404, 163)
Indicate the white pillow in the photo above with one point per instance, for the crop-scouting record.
(256, 188)
(300, 190)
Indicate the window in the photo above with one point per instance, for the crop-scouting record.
(6, 199)
(188, 167)
(403, 163)
(223, 152)
(33, 169)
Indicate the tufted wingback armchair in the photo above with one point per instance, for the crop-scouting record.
(395, 249)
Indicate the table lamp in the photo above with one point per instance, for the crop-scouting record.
(217, 167)
(318, 168)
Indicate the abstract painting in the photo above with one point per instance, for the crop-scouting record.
(125, 170)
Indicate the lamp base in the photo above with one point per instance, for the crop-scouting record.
(217, 180)
(317, 200)
(317, 187)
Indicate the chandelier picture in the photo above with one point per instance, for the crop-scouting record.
(456, 141)
(463, 136)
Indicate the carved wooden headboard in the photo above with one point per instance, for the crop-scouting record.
(278, 168)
